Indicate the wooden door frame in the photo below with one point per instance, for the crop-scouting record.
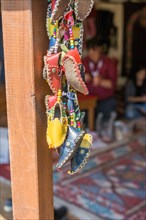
(25, 43)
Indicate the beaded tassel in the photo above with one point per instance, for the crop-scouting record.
(64, 105)
(59, 95)
(55, 30)
(72, 46)
(71, 118)
(53, 40)
(79, 125)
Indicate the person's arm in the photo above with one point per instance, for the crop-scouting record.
(88, 77)
(106, 83)
(136, 99)
(111, 81)
(130, 93)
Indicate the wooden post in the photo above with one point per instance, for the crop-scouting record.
(25, 43)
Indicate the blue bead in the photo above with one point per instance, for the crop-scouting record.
(52, 42)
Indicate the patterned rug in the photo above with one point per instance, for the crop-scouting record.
(111, 187)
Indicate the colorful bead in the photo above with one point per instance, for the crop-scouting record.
(64, 105)
(59, 95)
(72, 117)
(52, 42)
(71, 39)
(55, 30)
(79, 125)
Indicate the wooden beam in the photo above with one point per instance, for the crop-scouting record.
(25, 43)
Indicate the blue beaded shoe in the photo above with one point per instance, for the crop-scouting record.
(70, 146)
(81, 156)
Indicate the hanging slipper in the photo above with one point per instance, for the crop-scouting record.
(72, 67)
(83, 8)
(51, 72)
(81, 156)
(57, 126)
(59, 9)
(70, 146)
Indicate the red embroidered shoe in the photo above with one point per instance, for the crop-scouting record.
(51, 72)
(73, 70)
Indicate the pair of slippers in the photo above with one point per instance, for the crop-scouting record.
(73, 145)
(71, 65)
(76, 149)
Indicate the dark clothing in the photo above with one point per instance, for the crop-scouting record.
(134, 91)
(137, 109)
(107, 69)
(141, 90)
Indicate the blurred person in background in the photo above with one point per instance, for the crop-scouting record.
(135, 95)
(101, 77)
